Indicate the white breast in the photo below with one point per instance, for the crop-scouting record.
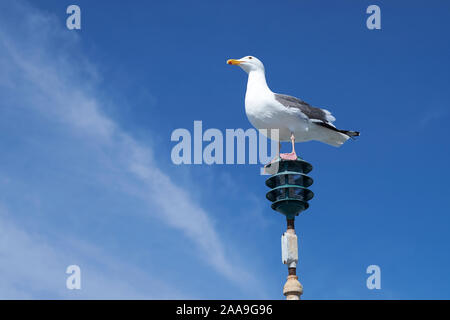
(264, 112)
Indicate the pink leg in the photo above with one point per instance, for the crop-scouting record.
(292, 155)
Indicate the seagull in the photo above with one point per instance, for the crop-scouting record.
(296, 120)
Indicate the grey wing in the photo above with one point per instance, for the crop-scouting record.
(313, 113)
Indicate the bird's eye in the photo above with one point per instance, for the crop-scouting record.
(250, 57)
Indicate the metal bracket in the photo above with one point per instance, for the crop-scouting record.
(289, 249)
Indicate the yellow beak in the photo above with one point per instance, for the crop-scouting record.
(234, 62)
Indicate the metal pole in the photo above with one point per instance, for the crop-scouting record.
(289, 250)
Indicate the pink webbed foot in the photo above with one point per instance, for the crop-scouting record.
(288, 156)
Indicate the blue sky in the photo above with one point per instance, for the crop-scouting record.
(86, 176)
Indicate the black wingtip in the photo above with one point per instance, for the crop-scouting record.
(351, 133)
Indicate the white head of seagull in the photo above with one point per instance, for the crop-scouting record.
(248, 64)
(256, 85)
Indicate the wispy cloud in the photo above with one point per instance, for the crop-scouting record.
(32, 266)
(40, 67)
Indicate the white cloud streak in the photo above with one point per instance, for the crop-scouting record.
(52, 83)
(31, 266)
